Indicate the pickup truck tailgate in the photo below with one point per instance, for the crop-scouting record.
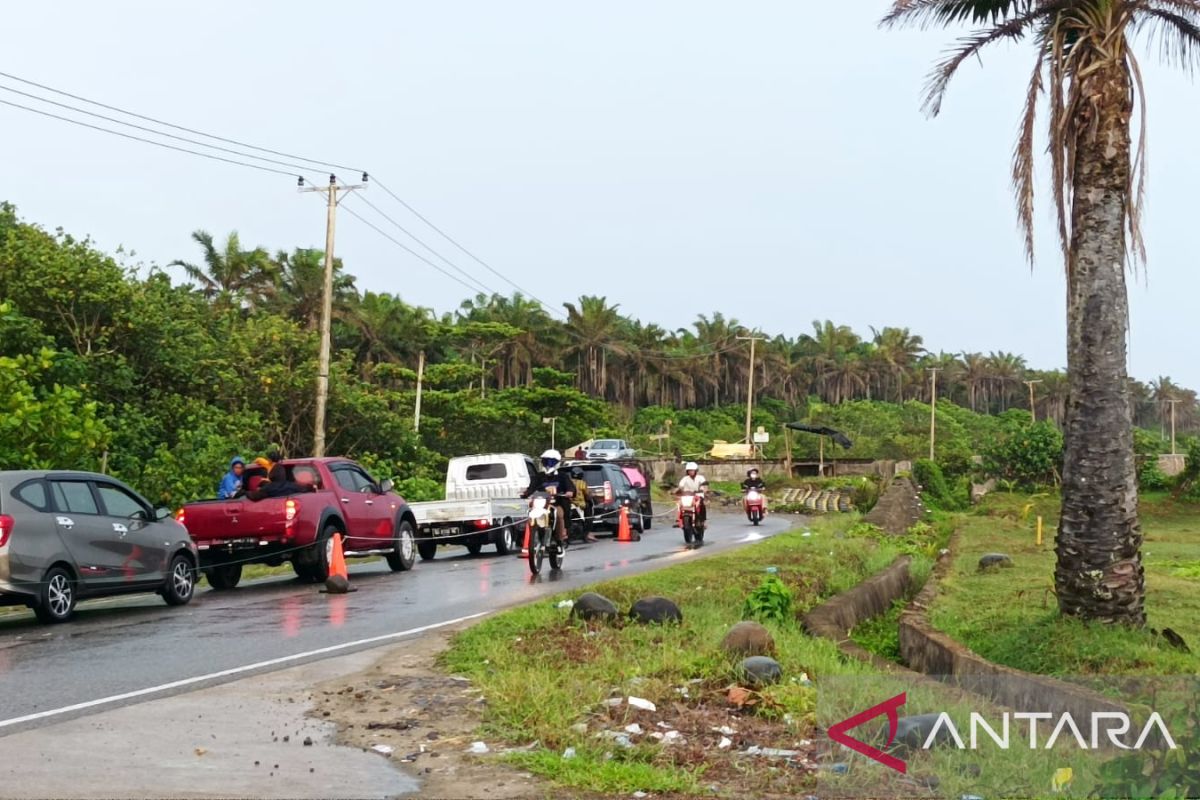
(439, 512)
(226, 520)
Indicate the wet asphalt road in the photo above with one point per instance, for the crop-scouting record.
(138, 645)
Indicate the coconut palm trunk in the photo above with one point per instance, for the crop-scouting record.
(1099, 571)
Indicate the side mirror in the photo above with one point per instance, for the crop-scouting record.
(387, 485)
(161, 513)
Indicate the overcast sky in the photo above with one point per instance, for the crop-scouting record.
(763, 159)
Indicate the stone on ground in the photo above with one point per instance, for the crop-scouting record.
(748, 639)
(760, 671)
(594, 606)
(655, 610)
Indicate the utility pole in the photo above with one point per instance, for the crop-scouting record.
(1032, 407)
(553, 422)
(1172, 402)
(420, 378)
(750, 389)
(933, 371)
(331, 196)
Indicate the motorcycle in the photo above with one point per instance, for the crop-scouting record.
(755, 505)
(689, 506)
(542, 523)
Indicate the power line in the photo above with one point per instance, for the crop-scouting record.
(176, 127)
(486, 289)
(150, 130)
(148, 141)
(454, 242)
(552, 309)
(408, 249)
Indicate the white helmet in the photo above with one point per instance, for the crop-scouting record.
(691, 466)
(551, 459)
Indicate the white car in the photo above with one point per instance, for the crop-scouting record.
(610, 450)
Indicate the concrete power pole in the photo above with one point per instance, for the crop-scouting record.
(331, 195)
(750, 389)
(417, 406)
(1172, 402)
(933, 371)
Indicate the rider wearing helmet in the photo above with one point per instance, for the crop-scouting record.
(565, 489)
(753, 481)
(693, 482)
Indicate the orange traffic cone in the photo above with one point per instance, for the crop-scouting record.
(624, 532)
(525, 546)
(338, 581)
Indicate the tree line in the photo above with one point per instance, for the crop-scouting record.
(161, 380)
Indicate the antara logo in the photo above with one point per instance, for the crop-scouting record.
(1115, 726)
(838, 732)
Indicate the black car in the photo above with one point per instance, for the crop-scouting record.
(608, 490)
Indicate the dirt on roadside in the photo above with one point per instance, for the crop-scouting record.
(427, 719)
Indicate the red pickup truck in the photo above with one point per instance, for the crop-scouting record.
(338, 496)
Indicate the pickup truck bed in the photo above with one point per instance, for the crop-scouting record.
(471, 523)
(333, 496)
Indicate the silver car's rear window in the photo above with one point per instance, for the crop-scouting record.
(34, 495)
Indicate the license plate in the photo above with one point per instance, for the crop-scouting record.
(445, 531)
(234, 543)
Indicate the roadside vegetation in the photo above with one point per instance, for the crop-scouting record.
(1010, 615)
(161, 376)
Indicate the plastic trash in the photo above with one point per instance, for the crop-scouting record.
(644, 705)
(479, 748)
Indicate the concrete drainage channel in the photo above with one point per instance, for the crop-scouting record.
(932, 655)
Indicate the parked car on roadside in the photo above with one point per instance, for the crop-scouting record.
(610, 450)
(69, 536)
(338, 496)
(608, 490)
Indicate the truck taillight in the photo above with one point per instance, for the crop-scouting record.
(608, 492)
(180, 516)
(6, 528)
(289, 511)
(483, 524)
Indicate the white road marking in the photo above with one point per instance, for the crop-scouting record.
(165, 687)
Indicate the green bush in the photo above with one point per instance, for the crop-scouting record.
(1023, 455)
(770, 602)
(935, 489)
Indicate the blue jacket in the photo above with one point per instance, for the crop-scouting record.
(231, 484)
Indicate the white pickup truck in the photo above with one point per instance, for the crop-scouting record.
(482, 506)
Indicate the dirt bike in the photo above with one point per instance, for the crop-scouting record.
(689, 506)
(755, 505)
(542, 523)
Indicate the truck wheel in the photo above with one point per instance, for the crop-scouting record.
(647, 519)
(426, 547)
(504, 542)
(318, 566)
(474, 548)
(402, 558)
(223, 576)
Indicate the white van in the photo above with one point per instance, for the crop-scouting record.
(482, 506)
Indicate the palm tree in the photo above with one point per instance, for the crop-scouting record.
(898, 349)
(1084, 61)
(301, 286)
(594, 327)
(230, 274)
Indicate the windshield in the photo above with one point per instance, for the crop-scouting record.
(605, 444)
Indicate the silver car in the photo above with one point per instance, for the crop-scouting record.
(67, 536)
(610, 450)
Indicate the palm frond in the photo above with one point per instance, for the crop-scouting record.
(1023, 158)
(968, 46)
(928, 13)
(1178, 36)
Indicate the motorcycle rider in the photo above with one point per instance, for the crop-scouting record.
(565, 490)
(693, 482)
(753, 481)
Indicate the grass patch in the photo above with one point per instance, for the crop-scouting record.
(1011, 615)
(546, 679)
